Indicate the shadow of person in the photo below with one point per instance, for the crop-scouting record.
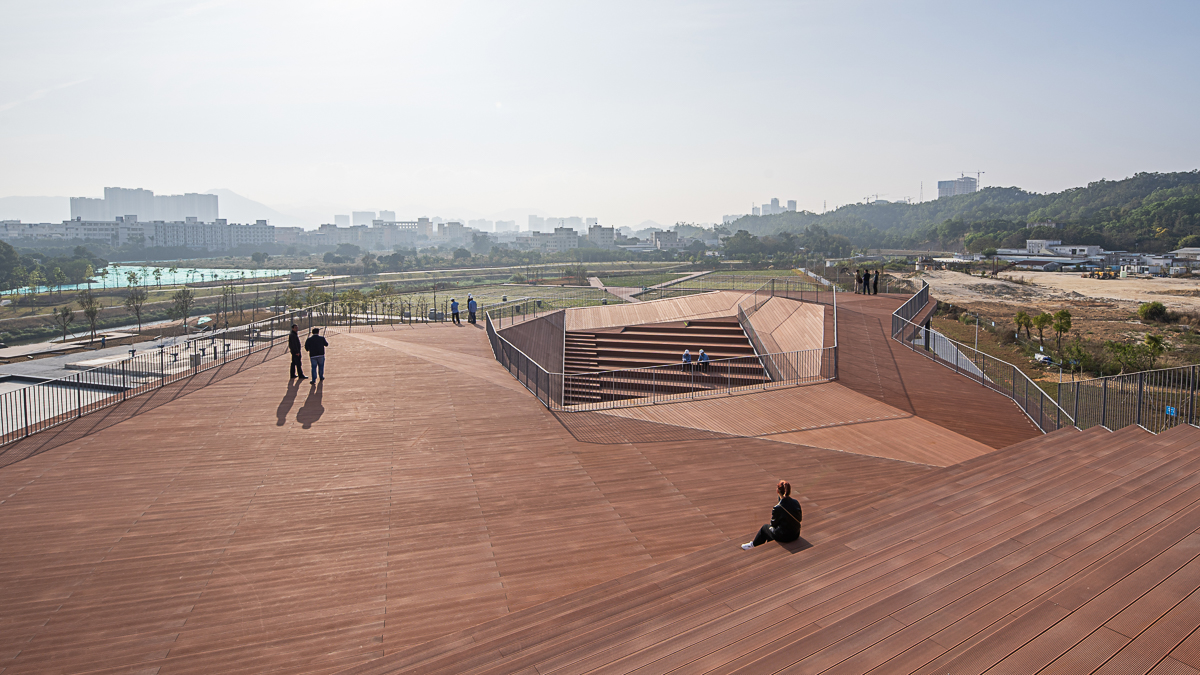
(800, 544)
(312, 409)
(285, 406)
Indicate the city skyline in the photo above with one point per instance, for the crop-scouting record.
(675, 112)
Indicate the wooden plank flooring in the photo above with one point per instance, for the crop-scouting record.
(823, 415)
(874, 365)
(789, 325)
(697, 306)
(252, 526)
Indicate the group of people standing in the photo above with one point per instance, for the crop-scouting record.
(865, 284)
(471, 308)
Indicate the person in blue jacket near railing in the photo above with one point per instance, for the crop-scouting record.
(454, 312)
(471, 307)
(687, 360)
(703, 359)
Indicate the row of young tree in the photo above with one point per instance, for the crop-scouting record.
(1078, 356)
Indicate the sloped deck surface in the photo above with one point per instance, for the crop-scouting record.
(1070, 553)
(874, 365)
(251, 526)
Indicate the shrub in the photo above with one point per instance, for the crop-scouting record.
(1152, 311)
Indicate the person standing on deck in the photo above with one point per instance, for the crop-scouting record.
(785, 522)
(471, 306)
(875, 284)
(294, 348)
(454, 312)
(315, 346)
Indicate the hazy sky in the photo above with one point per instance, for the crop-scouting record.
(623, 110)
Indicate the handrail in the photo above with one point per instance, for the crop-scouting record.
(51, 402)
(995, 374)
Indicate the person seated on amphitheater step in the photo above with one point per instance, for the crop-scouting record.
(785, 520)
(687, 360)
(703, 360)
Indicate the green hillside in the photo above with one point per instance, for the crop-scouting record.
(1150, 212)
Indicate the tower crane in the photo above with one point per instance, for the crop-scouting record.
(978, 177)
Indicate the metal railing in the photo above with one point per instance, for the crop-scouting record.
(995, 374)
(49, 403)
(792, 287)
(677, 382)
(1153, 399)
(546, 386)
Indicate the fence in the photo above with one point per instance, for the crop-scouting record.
(546, 386)
(991, 372)
(1154, 399)
(41, 406)
(790, 287)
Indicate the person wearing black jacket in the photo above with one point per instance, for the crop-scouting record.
(294, 348)
(875, 284)
(315, 346)
(785, 520)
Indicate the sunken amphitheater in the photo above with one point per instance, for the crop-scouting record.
(558, 493)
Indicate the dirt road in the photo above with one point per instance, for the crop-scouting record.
(1048, 290)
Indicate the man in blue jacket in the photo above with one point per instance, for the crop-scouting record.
(471, 306)
(315, 346)
(454, 312)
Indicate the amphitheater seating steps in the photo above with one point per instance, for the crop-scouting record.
(1074, 552)
(627, 348)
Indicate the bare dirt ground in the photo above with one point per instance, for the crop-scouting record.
(1047, 290)
(1102, 310)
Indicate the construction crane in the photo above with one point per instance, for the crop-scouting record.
(978, 177)
(877, 195)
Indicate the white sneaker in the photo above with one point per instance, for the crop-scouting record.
(747, 546)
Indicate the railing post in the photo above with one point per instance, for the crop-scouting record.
(78, 396)
(25, 409)
(1104, 403)
(1191, 394)
(1075, 416)
(1138, 414)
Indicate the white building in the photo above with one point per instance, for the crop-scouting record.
(958, 186)
(602, 237)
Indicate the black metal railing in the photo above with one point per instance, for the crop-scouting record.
(109, 381)
(546, 386)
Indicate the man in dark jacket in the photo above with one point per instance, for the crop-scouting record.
(471, 308)
(294, 348)
(875, 284)
(315, 346)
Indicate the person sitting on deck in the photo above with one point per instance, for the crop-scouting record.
(785, 520)
(703, 359)
(687, 360)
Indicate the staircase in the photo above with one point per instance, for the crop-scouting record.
(1074, 552)
(628, 348)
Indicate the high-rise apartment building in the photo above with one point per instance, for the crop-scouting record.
(361, 218)
(387, 216)
(959, 186)
(145, 205)
(341, 221)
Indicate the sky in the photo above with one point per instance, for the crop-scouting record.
(625, 111)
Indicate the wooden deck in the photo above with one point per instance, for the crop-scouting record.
(252, 526)
(872, 364)
(1071, 553)
(788, 325)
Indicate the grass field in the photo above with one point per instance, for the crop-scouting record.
(640, 280)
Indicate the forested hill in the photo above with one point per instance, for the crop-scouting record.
(1148, 212)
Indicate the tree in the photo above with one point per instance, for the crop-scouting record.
(461, 254)
(57, 278)
(88, 273)
(135, 301)
(104, 276)
(1041, 322)
(1128, 357)
(90, 305)
(1156, 346)
(1023, 321)
(260, 258)
(158, 276)
(1061, 326)
(181, 305)
(63, 316)
(132, 278)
